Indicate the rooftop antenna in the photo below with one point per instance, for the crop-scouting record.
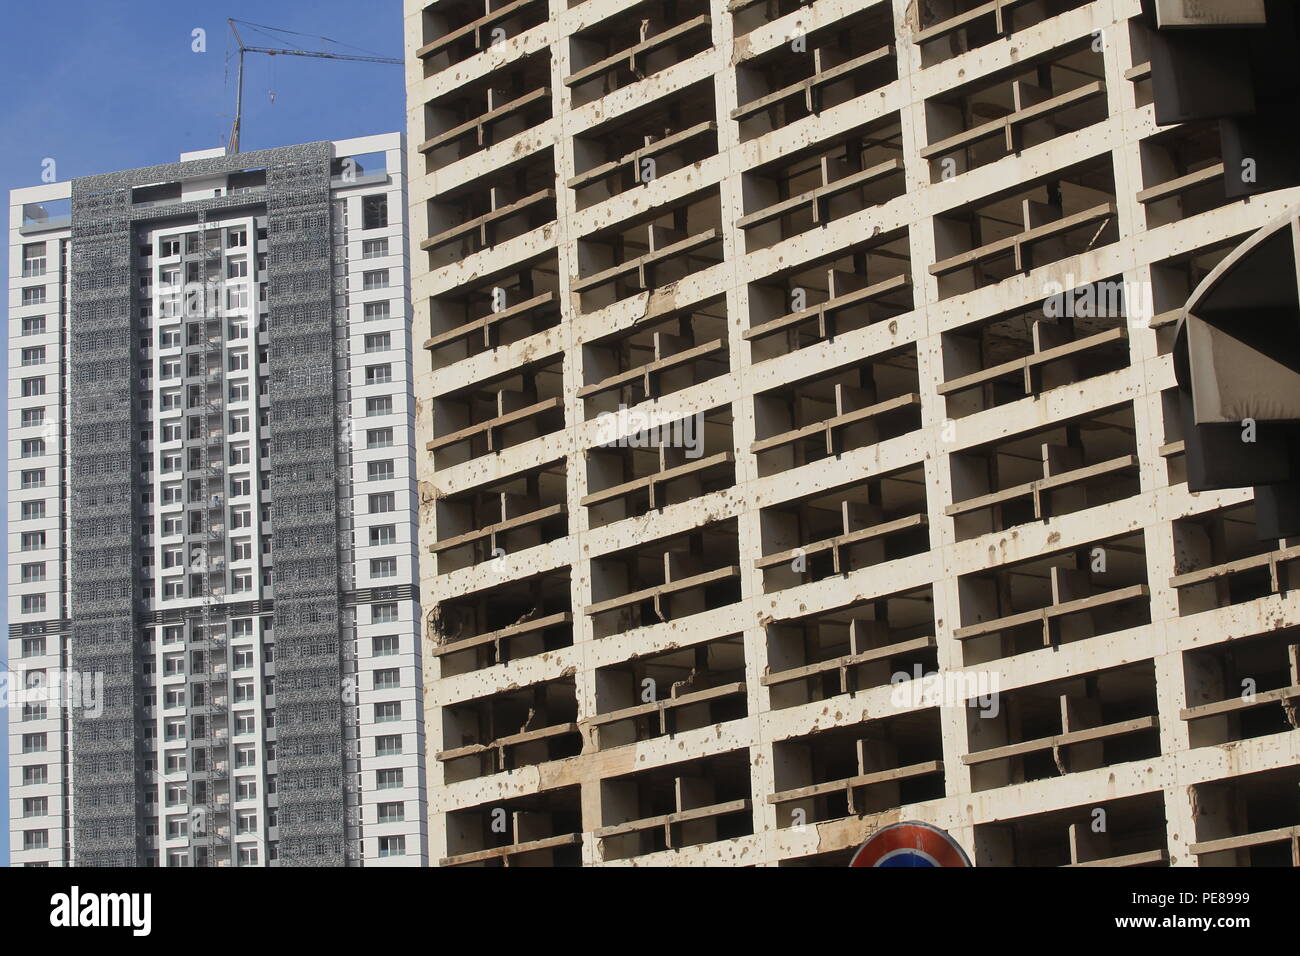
(235, 127)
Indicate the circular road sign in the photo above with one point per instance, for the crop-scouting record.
(910, 844)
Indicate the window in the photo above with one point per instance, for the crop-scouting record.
(177, 827)
(380, 470)
(383, 613)
(246, 822)
(376, 279)
(374, 248)
(245, 723)
(34, 478)
(33, 447)
(388, 779)
(248, 856)
(240, 455)
(33, 387)
(392, 846)
(374, 212)
(171, 246)
(245, 788)
(239, 390)
(241, 518)
(33, 776)
(243, 658)
(383, 503)
(383, 534)
(237, 362)
(382, 405)
(36, 509)
(241, 551)
(36, 806)
(40, 840)
(35, 743)
(176, 762)
(175, 794)
(245, 756)
(33, 417)
(383, 646)
(388, 679)
(380, 374)
(379, 438)
(33, 355)
(378, 342)
(33, 572)
(388, 711)
(237, 239)
(33, 540)
(243, 691)
(33, 646)
(34, 259)
(375, 311)
(388, 746)
(34, 295)
(34, 325)
(33, 604)
(383, 567)
(392, 813)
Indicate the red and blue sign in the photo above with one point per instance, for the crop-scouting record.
(910, 844)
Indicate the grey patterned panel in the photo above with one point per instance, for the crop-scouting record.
(107, 751)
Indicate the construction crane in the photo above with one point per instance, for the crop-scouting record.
(233, 146)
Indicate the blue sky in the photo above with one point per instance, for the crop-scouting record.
(101, 85)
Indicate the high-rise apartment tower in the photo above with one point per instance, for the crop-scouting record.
(211, 536)
(798, 443)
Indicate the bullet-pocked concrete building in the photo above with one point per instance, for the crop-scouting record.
(211, 514)
(773, 358)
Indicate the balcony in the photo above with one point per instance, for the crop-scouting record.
(814, 303)
(630, 45)
(497, 414)
(1072, 595)
(850, 649)
(1039, 475)
(838, 532)
(669, 808)
(1248, 820)
(541, 829)
(950, 28)
(659, 356)
(1243, 689)
(645, 254)
(490, 110)
(665, 580)
(833, 65)
(517, 728)
(492, 209)
(1014, 110)
(1058, 342)
(673, 132)
(859, 770)
(665, 465)
(503, 517)
(1221, 561)
(457, 30)
(820, 184)
(1132, 833)
(493, 311)
(502, 623)
(661, 695)
(837, 412)
(992, 239)
(1071, 726)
